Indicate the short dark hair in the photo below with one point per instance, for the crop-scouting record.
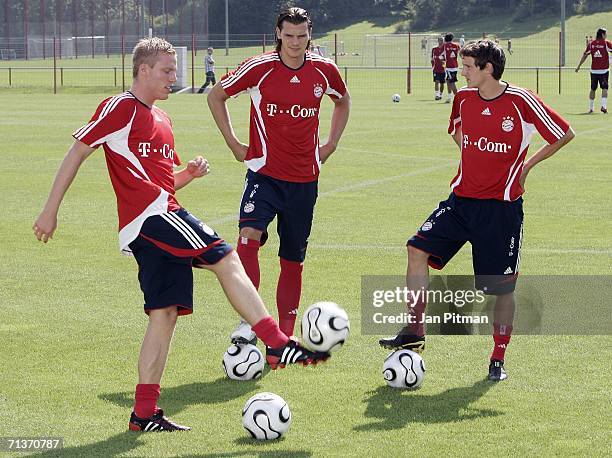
(486, 51)
(601, 32)
(293, 15)
(449, 37)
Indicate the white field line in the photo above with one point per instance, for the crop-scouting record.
(350, 187)
(423, 157)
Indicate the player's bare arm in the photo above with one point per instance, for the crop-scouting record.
(340, 116)
(46, 223)
(582, 59)
(196, 168)
(457, 137)
(217, 99)
(545, 152)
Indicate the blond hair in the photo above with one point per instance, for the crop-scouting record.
(147, 50)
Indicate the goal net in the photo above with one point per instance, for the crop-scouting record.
(67, 47)
(391, 50)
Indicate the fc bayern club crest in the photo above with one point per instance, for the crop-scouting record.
(507, 124)
(318, 90)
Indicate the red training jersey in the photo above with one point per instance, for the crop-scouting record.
(139, 147)
(437, 59)
(451, 54)
(285, 104)
(599, 51)
(495, 138)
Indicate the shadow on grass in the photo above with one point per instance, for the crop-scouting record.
(175, 399)
(128, 441)
(395, 409)
(113, 446)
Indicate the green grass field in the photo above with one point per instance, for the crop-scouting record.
(72, 318)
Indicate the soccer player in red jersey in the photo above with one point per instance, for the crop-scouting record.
(166, 240)
(437, 66)
(599, 50)
(451, 55)
(284, 155)
(492, 123)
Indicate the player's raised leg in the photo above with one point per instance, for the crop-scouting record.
(280, 350)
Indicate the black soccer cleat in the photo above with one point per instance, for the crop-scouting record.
(604, 110)
(293, 353)
(404, 339)
(155, 423)
(496, 371)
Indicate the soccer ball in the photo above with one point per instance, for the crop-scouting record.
(325, 327)
(266, 416)
(396, 98)
(243, 362)
(404, 369)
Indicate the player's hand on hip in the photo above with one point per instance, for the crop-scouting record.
(45, 226)
(326, 150)
(240, 151)
(523, 177)
(198, 167)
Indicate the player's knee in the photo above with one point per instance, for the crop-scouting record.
(251, 233)
(417, 256)
(166, 316)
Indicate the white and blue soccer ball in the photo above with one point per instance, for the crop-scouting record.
(325, 327)
(243, 362)
(404, 369)
(266, 416)
(396, 98)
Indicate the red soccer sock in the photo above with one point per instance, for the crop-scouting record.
(417, 312)
(269, 333)
(248, 251)
(146, 400)
(501, 338)
(288, 292)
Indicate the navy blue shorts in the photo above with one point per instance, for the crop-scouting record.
(168, 247)
(600, 79)
(439, 77)
(494, 228)
(293, 204)
(451, 76)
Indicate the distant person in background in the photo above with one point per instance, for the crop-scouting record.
(599, 50)
(509, 45)
(437, 65)
(209, 67)
(462, 40)
(424, 46)
(451, 52)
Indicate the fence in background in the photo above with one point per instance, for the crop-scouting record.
(372, 64)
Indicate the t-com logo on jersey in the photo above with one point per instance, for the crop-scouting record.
(295, 111)
(484, 145)
(144, 148)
